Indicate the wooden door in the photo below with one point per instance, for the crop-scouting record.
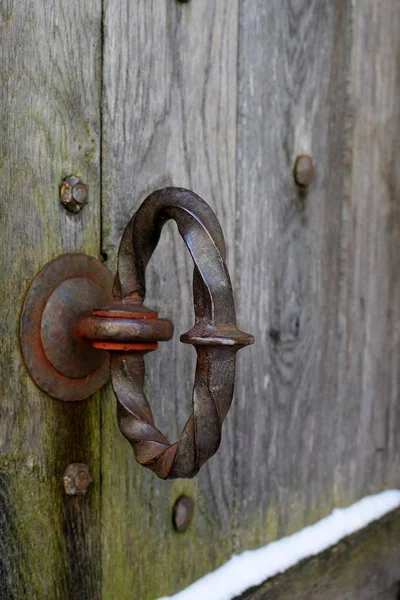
(219, 96)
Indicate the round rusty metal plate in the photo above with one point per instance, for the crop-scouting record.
(68, 352)
(60, 362)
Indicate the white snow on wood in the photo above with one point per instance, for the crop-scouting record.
(255, 566)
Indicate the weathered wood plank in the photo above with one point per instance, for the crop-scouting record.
(369, 312)
(325, 374)
(169, 119)
(50, 117)
(364, 566)
(316, 271)
(294, 60)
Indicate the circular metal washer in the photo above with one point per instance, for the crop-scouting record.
(62, 364)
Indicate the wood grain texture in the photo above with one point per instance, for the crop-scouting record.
(172, 76)
(363, 566)
(169, 118)
(369, 311)
(49, 121)
(294, 63)
(219, 97)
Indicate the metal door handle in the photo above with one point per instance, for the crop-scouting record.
(128, 330)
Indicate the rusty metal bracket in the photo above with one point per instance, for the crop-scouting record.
(60, 362)
(70, 324)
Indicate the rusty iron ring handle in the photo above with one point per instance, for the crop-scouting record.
(214, 335)
(69, 314)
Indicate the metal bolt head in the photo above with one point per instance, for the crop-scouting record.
(182, 513)
(73, 193)
(303, 170)
(76, 479)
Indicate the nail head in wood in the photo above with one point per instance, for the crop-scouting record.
(73, 194)
(76, 479)
(303, 170)
(182, 513)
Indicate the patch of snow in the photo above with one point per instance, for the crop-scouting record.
(255, 566)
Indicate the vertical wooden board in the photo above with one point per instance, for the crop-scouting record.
(49, 116)
(293, 99)
(369, 376)
(169, 99)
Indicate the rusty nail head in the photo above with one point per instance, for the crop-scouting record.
(182, 513)
(73, 193)
(76, 479)
(303, 170)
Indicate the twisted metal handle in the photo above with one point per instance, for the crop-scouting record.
(214, 335)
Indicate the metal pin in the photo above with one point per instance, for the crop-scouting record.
(303, 170)
(74, 194)
(182, 513)
(76, 479)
